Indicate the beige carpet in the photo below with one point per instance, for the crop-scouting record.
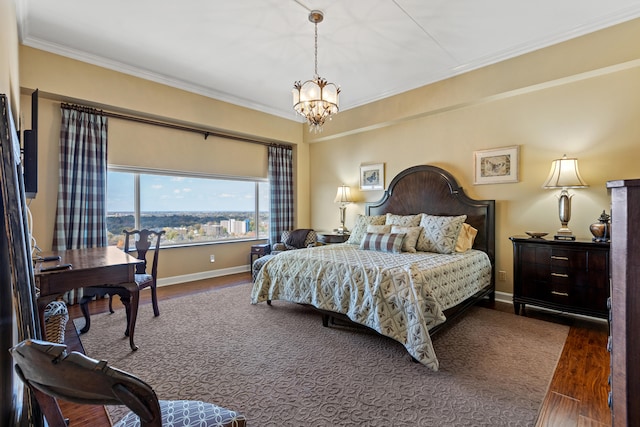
(280, 367)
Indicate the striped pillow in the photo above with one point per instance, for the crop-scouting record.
(383, 242)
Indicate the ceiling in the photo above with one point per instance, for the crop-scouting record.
(250, 52)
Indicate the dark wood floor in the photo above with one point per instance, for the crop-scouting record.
(577, 395)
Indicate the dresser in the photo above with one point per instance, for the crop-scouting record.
(624, 340)
(565, 275)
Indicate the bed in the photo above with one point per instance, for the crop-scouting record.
(405, 295)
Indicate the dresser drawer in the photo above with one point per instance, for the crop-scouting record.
(570, 259)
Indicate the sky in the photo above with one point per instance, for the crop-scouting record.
(160, 193)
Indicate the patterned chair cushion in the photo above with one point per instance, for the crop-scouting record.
(189, 413)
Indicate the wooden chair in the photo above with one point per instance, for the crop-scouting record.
(51, 373)
(145, 240)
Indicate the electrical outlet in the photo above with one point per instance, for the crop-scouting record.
(212, 258)
(502, 275)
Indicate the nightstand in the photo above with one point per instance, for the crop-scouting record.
(260, 251)
(329, 237)
(564, 275)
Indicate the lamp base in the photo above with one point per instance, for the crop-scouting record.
(341, 230)
(564, 237)
(564, 234)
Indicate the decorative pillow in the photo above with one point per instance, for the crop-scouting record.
(378, 228)
(411, 238)
(403, 220)
(466, 238)
(383, 242)
(360, 228)
(439, 233)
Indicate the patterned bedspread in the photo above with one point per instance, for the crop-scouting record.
(401, 295)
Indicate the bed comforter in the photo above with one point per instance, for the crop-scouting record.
(401, 296)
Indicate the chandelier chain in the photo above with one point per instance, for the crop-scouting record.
(316, 50)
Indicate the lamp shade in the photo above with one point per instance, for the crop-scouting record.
(343, 195)
(564, 173)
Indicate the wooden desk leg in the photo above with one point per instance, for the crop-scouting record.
(125, 298)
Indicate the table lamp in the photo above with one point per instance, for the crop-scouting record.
(343, 196)
(564, 174)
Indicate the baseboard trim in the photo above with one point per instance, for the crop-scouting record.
(174, 280)
(504, 297)
(507, 298)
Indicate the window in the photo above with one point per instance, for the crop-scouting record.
(190, 208)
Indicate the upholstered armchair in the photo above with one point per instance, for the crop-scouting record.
(295, 239)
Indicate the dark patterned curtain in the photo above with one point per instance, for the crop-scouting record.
(281, 187)
(81, 216)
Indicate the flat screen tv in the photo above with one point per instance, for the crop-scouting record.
(30, 151)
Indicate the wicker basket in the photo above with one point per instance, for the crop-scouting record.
(56, 317)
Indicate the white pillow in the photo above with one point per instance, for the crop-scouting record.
(411, 238)
(378, 228)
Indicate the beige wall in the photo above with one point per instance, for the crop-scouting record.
(9, 70)
(581, 98)
(62, 79)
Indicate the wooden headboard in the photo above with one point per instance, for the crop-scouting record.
(432, 190)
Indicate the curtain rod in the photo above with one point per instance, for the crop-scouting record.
(203, 132)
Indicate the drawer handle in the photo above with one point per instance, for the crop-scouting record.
(562, 294)
(559, 274)
(563, 258)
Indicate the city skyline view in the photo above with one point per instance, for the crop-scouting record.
(188, 209)
(163, 193)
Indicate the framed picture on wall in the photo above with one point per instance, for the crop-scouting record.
(496, 166)
(372, 177)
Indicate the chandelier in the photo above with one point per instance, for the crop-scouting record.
(316, 99)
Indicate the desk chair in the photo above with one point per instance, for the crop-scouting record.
(51, 373)
(145, 240)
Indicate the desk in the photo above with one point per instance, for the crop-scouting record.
(106, 266)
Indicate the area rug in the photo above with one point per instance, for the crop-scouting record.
(280, 367)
